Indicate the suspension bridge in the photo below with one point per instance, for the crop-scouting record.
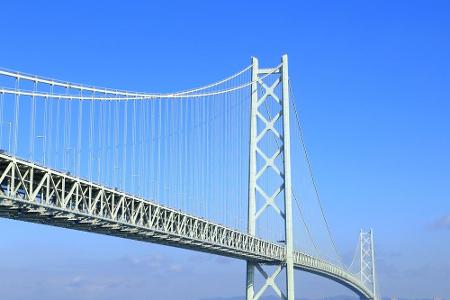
(207, 169)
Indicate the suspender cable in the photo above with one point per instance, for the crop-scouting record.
(16, 118)
(125, 140)
(180, 153)
(143, 155)
(99, 140)
(32, 123)
(133, 149)
(49, 135)
(2, 96)
(44, 132)
(91, 137)
(66, 125)
(79, 134)
(158, 158)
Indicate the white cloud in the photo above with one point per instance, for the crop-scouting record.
(442, 223)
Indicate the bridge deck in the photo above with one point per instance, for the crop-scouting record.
(33, 193)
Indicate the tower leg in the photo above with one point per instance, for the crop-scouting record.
(287, 181)
(250, 280)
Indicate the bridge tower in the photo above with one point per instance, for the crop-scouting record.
(261, 91)
(367, 266)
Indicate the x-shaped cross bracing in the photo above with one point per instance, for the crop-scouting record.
(270, 200)
(269, 162)
(367, 276)
(269, 281)
(269, 125)
(269, 91)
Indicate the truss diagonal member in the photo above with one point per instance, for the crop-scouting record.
(269, 91)
(269, 125)
(269, 281)
(270, 200)
(269, 162)
(5, 173)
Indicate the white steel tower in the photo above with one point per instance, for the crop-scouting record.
(261, 91)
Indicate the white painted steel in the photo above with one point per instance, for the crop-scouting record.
(367, 266)
(287, 181)
(251, 227)
(34, 193)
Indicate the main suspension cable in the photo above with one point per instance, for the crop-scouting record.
(355, 254)
(316, 190)
(116, 95)
(293, 193)
(305, 224)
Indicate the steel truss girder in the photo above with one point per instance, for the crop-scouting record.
(37, 194)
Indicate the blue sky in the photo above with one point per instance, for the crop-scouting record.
(371, 81)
